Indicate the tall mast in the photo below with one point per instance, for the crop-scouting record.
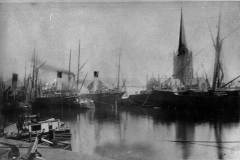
(118, 75)
(24, 83)
(33, 76)
(78, 69)
(69, 69)
(36, 76)
(33, 71)
(147, 81)
(217, 65)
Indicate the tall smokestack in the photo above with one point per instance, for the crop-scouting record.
(95, 84)
(59, 80)
(14, 81)
(78, 69)
(14, 84)
(95, 74)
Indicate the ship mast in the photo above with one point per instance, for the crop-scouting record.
(69, 70)
(118, 74)
(33, 75)
(218, 72)
(33, 71)
(78, 69)
(36, 76)
(25, 73)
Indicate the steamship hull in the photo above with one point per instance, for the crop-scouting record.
(142, 99)
(107, 99)
(190, 100)
(50, 102)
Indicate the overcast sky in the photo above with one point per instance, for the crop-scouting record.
(146, 34)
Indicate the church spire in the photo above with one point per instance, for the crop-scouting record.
(182, 47)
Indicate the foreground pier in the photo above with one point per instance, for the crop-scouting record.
(51, 153)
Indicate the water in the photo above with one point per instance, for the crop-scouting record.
(149, 134)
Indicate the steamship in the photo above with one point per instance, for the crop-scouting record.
(101, 94)
(187, 97)
(60, 94)
(67, 93)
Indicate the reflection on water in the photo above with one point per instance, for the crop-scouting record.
(185, 132)
(149, 134)
(218, 138)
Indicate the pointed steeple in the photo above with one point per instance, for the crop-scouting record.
(182, 47)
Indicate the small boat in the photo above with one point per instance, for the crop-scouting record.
(12, 151)
(29, 126)
(84, 102)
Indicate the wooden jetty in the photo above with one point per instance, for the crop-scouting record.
(52, 153)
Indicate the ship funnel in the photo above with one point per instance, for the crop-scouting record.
(14, 81)
(95, 74)
(59, 80)
(95, 82)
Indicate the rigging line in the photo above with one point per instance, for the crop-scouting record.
(42, 64)
(229, 34)
(198, 52)
(83, 82)
(230, 81)
(81, 67)
(211, 34)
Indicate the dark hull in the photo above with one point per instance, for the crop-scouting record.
(189, 100)
(140, 99)
(104, 99)
(14, 107)
(46, 102)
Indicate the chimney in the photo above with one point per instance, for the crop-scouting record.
(59, 80)
(95, 82)
(95, 74)
(14, 81)
(14, 84)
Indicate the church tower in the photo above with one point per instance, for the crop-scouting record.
(183, 66)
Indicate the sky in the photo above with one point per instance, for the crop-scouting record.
(144, 33)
